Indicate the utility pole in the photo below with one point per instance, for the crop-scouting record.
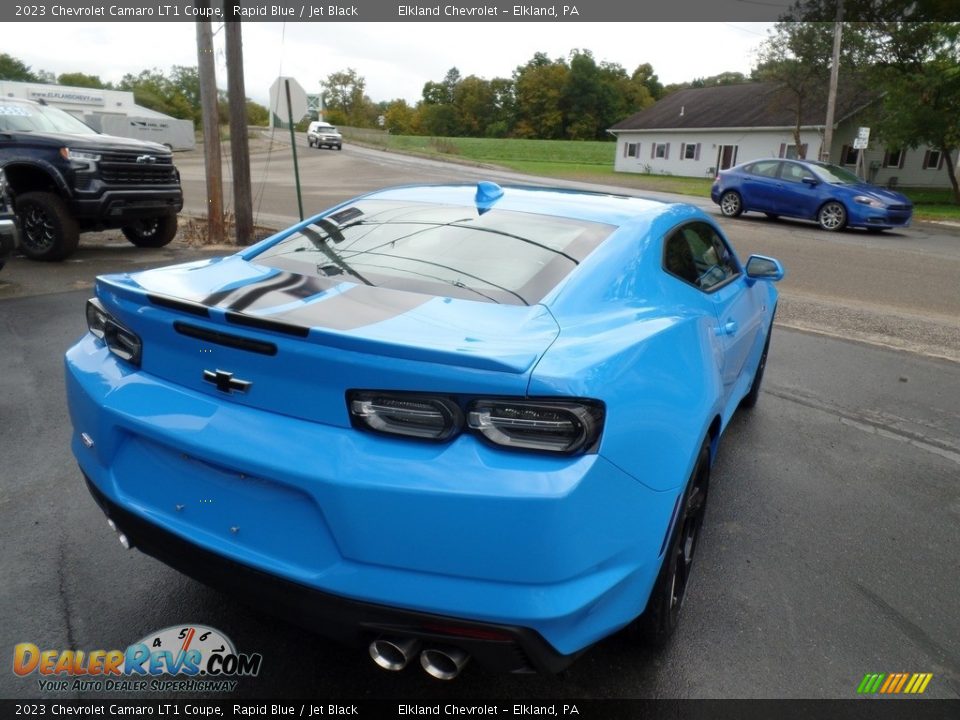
(834, 75)
(211, 130)
(239, 145)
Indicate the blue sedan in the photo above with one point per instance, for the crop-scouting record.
(833, 197)
(441, 422)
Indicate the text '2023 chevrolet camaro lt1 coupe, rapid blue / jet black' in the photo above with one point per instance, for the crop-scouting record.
(442, 422)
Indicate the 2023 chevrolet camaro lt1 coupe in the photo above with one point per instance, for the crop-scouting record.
(442, 421)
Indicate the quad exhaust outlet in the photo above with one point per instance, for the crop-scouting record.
(394, 654)
(443, 663)
(124, 540)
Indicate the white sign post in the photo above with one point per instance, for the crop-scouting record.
(860, 144)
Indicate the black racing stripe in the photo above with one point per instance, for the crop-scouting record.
(358, 307)
(253, 293)
(184, 306)
(215, 298)
(295, 287)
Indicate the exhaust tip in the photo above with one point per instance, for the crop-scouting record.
(124, 540)
(394, 654)
(443, 663)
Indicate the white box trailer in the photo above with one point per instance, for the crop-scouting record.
(175, 134)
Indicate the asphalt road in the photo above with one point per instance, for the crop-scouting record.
(830, 548)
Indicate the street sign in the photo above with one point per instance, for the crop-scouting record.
(278, 99)
(863, 139)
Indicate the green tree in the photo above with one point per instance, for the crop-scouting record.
(344, 94)
(257, 114)
(12, 68)
(539, 89)
(918, 68)
(79, 79)
(797, 57)
(645, 76)
(398, 117)
(153, 89)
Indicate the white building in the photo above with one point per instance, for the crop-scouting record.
(698, 131)
(113, 112)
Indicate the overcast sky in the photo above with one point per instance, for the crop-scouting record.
(396, 59)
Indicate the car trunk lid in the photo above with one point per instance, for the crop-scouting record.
(296, 344)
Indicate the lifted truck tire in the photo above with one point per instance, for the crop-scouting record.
(48, 230)
(152, 232)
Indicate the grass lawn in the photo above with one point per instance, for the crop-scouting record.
(589, 161)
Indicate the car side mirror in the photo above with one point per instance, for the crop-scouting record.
(811, 181)
(761, 267)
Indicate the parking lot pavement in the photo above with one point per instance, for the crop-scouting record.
(829, 549)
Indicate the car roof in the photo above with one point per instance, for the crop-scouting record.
(560, 202)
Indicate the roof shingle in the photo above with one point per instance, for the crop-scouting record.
(760, 104)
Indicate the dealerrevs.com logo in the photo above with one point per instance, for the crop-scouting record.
(180, 658)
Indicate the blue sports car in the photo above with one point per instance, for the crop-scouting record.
(833, 197)
(444, 422)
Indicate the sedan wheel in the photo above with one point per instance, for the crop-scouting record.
(662, 615)
(832, 216)
(731, 204)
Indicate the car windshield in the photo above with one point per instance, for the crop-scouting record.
(835, 174)
(27, 117)
(492, 255)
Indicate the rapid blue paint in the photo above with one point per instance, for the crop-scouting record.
(866, 205)
(567, 546)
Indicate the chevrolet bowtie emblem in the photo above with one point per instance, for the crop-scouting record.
(147, 159)
(225, 381)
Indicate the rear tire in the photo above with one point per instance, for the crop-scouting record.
(660, 619)
(48, 230)
(731, 204)
(152, 232)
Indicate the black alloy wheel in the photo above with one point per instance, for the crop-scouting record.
(660, 620)
(48, 230)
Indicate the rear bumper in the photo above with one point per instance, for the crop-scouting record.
(559, 551)
(496, 647)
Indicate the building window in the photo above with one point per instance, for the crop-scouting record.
(661, 150)
(631, 150)
(893, 158)
(932, 160)
(849, 155)
(690, 151)
(791, 152)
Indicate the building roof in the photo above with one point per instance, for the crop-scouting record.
(760, 104)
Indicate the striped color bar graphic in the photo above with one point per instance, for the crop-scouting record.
(894, 683)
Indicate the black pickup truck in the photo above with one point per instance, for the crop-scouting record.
(65, 178)
(8, 223)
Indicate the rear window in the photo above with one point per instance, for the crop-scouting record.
(499, 256)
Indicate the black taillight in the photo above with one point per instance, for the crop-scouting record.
(119, 339)
(560, 427)
(426, 417)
